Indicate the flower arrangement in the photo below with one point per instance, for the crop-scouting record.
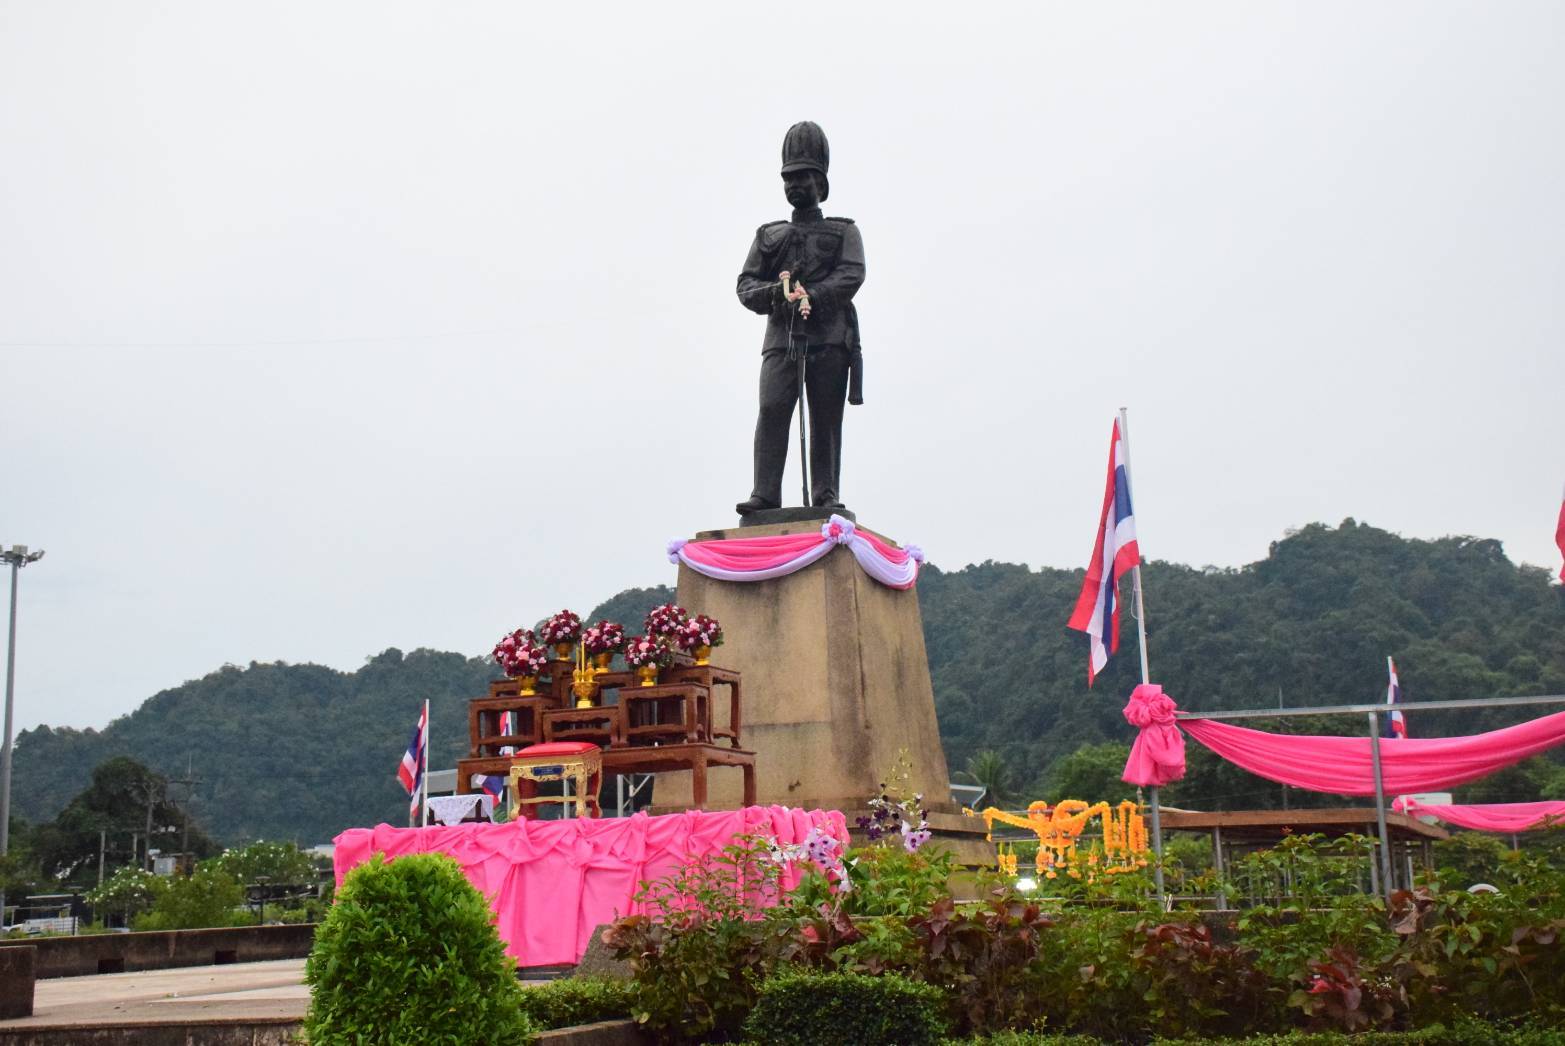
(820, 848)
(563, 629)
(699, 631)
(895, 811)
(665, 619)
(606, 637)
(654, 650)
(519, 655)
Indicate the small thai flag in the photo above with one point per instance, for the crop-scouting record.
(1395, 724)
(494, 786)
(1114, 553)
(411, 772)
(508, 725)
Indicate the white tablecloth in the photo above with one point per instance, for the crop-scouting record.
(454, 809)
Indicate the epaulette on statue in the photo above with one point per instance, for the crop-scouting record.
(845, 221)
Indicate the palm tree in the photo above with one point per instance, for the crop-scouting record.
(988, 768)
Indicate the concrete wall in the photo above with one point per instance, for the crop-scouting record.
(127, 952)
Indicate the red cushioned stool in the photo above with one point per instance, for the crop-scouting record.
(579, 762)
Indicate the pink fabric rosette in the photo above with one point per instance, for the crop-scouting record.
(1158, 755)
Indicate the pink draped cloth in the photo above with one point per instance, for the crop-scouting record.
(1340, 765)
(552, 882)
(764, 558)
(1506, 818)
(1158, 754)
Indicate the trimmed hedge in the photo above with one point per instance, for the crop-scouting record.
(409, 953)
(804, 1009)
(1467, 1033)
(576, 1000)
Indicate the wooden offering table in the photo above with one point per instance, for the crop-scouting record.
(659, 729)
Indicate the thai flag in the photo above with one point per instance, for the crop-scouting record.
(1113, 554)
(493, 786)
(508, 725)
(1395, 724)
(411, 772)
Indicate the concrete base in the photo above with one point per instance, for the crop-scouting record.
(18, 972)
(836, 683)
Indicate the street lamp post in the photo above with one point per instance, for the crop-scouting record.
(18, 557)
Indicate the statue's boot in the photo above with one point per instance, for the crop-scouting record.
(755, 504)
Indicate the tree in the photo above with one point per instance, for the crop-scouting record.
(118, 801)
(264, 861)
(989, 769)
(125, 894)
(211, 897)
(1091, 773)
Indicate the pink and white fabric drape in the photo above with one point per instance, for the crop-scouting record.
(1506, 818)
(764, 558)
(1340, 765)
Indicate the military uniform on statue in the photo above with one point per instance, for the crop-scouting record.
(802, 274)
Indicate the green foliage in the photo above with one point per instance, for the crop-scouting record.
(697, 955)
(798, 1008)
(885, 880)
(210, 897)
(118, 800)
(127, 893)
(264, 861)
(409, 953)
(305, 783)
(1314, 619)
(576, 1000)
(989, 768)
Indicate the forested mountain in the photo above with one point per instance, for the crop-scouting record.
(302, 751)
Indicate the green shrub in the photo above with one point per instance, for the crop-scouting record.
(576, 1000)
(208, 898)
(699, 957)
(409, 953)
(796, 1008)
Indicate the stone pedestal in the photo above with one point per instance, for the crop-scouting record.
(836, 683)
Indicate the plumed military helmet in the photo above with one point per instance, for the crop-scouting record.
(805, 148)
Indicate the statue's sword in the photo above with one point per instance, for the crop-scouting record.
(804, 355)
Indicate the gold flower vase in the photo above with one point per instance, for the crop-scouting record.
(584, 685)
(602, 662)
(703, 654)
(562, 651)
(648, 674)
(527, 686)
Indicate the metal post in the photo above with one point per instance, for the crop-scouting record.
(1155, 806)
(1380, 804)
(1217, 866)
(5, 752)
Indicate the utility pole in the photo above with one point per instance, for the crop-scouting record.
(18, 557)
(190, 780)
(103, 842)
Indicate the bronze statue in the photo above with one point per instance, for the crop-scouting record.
(801, 274)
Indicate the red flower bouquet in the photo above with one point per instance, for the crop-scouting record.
(561, 632)
(606, 637)
(645, 651)
(520, 657)
(665, 619)
(699, 631)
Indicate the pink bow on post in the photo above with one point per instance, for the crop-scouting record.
(1158, 756)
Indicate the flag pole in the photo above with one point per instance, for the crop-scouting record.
(423, 777)
(1146, 675)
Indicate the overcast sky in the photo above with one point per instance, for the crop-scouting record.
(329, 327)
